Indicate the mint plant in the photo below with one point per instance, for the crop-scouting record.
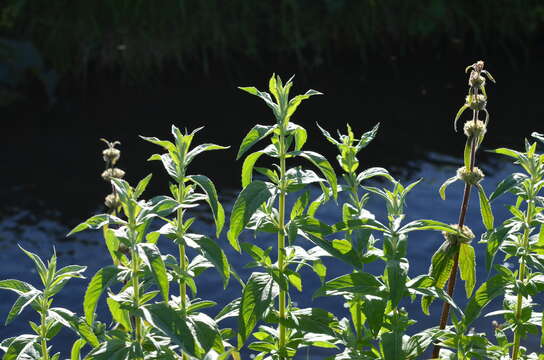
(456, 252)
(52, 319)
(161, 329)
(256, 209)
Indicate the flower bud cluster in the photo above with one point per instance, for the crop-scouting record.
(464, 235)
(111, 155)
(470, 177)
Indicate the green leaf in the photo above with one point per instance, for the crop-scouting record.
(95, 222)
(356, 283)
(205, 329)
(248, 201)
(428, 225)
(440, 270)
(249, 163)
(99, 283)
(507, 184)
(23, 301)
(489, 290)
(76, 349)
(494, 240)
(214, 254)
(113, 349)
(142, 185)
(19, 346)
(372, 172)
(263, 95)
(258, 294)
(396, 273)
(508, 152)
(300, 204)
(257, 133)
(299, 133)
(40, 266)
(119, 314)
(167, 145)
(171, 323)
(151, 256)
(17, 286)
(202, 148)
(392, 345)
(458, 115)
(485, 209)
(467, 153)
(446, 183)
(323, 165)
(218, 213)
(312, 320)
(374, 307)
(367, 137)
(467, 267)
(72, 321)
(294, 279)
(295, 102)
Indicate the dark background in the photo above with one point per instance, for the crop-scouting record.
(74, 71)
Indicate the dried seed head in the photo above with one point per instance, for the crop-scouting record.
(476, 102)
(111, 155)
(470, 177)
(476, 80)
(112, 201)
(479, 66)
(464, 236)
(474, 128)
(111, 173)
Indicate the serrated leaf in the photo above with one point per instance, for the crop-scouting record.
(171, 323)
(489, 290)
(257, 295)
(467, 267)
(248, 201)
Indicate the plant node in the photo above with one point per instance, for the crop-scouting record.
(470, 177)
(112, 173)
(112, 201)
(475, 128)
(476, 102)
(462, 236)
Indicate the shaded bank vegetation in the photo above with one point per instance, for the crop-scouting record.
(140, 38)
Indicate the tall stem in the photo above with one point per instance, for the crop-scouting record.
(521, 278)
(281, 241)
(461, 222)
(181, 248)
(43, 331)
(136, 289)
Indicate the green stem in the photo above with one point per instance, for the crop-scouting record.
(136, 298)
(44, 330)
(182, 257)
(281, 243)
(521, 278)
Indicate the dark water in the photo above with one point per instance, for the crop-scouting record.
(52, 163)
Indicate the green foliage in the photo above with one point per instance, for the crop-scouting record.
(149, 322)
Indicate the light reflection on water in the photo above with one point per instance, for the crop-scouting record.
(40, 233)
